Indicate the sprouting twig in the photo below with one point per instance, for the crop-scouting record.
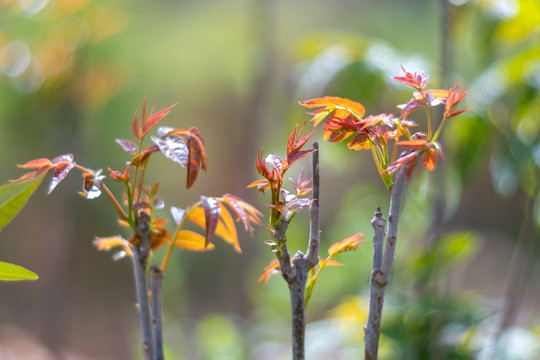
(296, 274)
(156, 277)
(382, 263)
(140, 257)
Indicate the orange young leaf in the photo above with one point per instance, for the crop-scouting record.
(347, 244)
(107, 243)
(329, 262)
(271, 269)
(160, 235)
(330, 103)
(415, 144)
(189, 240)
(227, 230)
(261, 184)
(430, 158)
(224, 229)
(36, 164)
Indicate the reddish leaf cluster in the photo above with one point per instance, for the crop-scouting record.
(273, 168)
(343, 119)
(61, 165)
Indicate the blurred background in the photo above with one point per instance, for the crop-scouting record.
(466, 282)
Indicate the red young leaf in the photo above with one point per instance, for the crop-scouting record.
(60, 172)
(128, 146)
(454, 97)
(196, 156)
(136, 127)
(246, 212)
(154, 119)
(417, 80)
(212, 213)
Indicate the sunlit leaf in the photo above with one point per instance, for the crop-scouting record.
(173, 147)
(227, 230)
(272, 268)
(36, 164)
(107, 243)
(142, 158)
(347, 244)
(189, 240)
(12, 272)
(430, 158)
(155, 118)
(13, 197)
(331, 103)
(414, 144)
(60, 172)
(329, 262)
(128, 146)
(160, 235)
(261, 184)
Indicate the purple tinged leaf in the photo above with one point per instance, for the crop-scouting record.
(173, 147)
(164, 130)
(298, 204)
(159, 203)
(212, 213)
(60, 172)
(178, 214)
(62, 158)
(128, 146)
(275, 162)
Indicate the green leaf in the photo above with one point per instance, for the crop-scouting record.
(13, 197)
(15, 272)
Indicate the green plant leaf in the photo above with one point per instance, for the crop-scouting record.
(15, 272)
(13, 197)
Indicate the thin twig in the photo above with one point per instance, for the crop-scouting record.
(156, 277)
(382, 264)
(314, 217)
(140, 257)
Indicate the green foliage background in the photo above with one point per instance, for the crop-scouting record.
(73, 73)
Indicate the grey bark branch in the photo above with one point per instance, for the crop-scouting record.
(382, 263)
(140, 257)
(156, 277)
(314, 217)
